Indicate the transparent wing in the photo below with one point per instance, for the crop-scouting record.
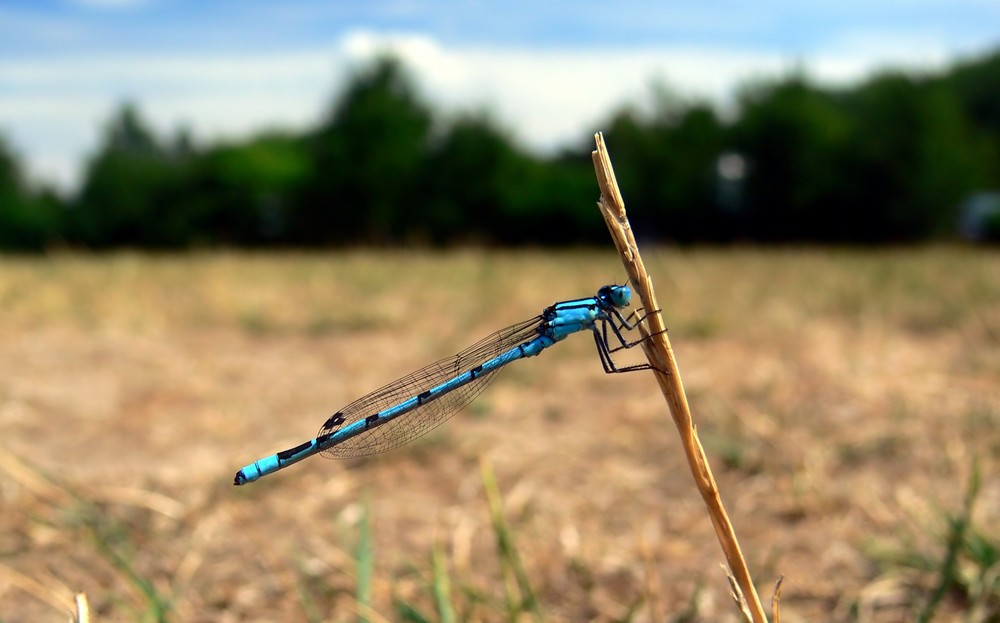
(427, 416)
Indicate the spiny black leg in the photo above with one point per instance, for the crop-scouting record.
(635, 343)
(625, 321)
(635, 314)
(604, 333)
(618, 334)
(602, 352)
(608, 362)
(621, 338)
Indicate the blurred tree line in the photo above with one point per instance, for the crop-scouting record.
(886, 161)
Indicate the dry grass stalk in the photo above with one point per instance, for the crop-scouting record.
(775, 599)
(52, 592)
(82, 608)
(29, 478)
(660, 355)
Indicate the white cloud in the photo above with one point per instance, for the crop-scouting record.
(551, 96)
(53, 109)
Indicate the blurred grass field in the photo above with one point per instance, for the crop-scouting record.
(847, 399)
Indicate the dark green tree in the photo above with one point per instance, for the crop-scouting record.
(29, 219)
(666, 161)
(887, 160)
(131, 188)
(914, 158)
(480, 185)
(976, 83)
(367, 158)
(243, 193)
(468, 181)
(795, 138)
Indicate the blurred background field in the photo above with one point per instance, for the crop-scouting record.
(846, 399)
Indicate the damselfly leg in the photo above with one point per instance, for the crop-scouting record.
(604, 348)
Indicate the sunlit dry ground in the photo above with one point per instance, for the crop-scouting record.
(843, 398)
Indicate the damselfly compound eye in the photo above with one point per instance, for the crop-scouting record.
(621, 296)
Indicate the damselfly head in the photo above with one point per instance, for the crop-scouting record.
(619, 296)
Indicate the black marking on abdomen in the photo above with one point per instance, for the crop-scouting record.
(475, 372)
(287, 454)
(422, 397)
(371, 419)
(335, 420)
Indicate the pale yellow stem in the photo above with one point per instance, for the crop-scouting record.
(661, 357)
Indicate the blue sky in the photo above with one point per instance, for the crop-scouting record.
(549, 71)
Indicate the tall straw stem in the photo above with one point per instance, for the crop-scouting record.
(661, 356)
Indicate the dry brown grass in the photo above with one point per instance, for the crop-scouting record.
(841, 396)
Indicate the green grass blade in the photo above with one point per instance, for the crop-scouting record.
(948, 570)
(408, 613)
(365, 564)
(442, 585)
(110, 538)
(308, 601)
(517, 588)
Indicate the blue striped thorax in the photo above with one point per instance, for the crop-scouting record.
(568, 317)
